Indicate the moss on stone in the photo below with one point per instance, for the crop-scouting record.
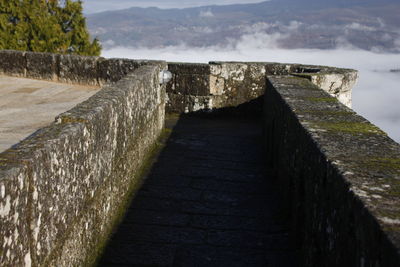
(350, 127)
(65, 120)
(327, 112)
(302, 81)
(384, 164)
(322, 99)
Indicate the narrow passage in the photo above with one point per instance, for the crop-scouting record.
(208, 201)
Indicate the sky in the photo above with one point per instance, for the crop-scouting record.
(94, 6)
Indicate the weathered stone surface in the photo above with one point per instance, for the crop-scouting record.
(229, 84)
(114, 69)
(193, 84)
(42, 66)
(78, 69)
(216, 85)
(337, 82)
(60, 189)
(175, 103)
(189, 68)
(14, 213)
(12, 63)
(242, 82)
(68, 68)
(77, 173)
(189, 79)
(339, 174)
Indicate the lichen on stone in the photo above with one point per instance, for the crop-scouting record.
(350, 127)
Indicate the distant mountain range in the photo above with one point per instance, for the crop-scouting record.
(322, 24)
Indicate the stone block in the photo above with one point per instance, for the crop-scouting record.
(114, 69)
(191, 84)
(78, 69)
(217, 85)
(175, 103)
(239, 82)
(277, 69)
(42, 66)
(189, 68)
(13, 63)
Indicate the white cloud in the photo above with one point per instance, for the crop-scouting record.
(203, 30)
(259, 41)
(206, 14)
(342, 43)
(381, 22)
(397, 43)
(386, 37)
(375, 97)
(294, 25)
(257, 27)
(359, 27)
(109, 43)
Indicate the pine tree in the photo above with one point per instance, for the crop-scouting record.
(45, 26)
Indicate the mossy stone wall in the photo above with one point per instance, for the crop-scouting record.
(339, 176)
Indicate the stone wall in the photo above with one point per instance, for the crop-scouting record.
(67, 68)
(216, 85)
(61, 188)
(339, 175)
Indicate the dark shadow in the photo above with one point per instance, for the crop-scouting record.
(252, 109)
(209, 199)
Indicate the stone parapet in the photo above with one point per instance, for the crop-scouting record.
(61, 188)
(216, 85)
(338, 173)
(67, 68)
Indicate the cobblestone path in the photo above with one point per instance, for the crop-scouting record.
(208, 201)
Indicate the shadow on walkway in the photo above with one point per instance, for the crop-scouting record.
(208, 201)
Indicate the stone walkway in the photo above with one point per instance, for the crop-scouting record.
(208, 201)
(27, 105)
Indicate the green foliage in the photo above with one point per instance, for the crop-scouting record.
(45, 26)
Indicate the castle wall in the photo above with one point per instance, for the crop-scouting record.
(63, 188)
(67, 68)
(338, 173)
(216, 85)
